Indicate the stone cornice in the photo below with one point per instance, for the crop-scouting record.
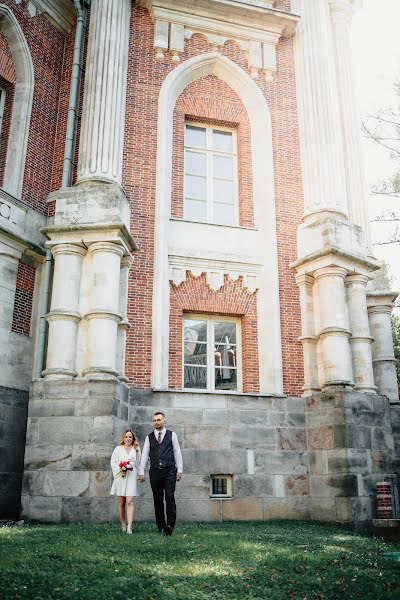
(255, 25)
(60, 12)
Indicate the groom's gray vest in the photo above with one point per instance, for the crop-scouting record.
(161, 455)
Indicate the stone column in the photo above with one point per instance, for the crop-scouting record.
(103, 316)
(103, 113)
(357, 190)
(64, 313)
(360, 340)
(123, 325)
(318, 108)
(308, 337)
(334, 334)
(384, 362)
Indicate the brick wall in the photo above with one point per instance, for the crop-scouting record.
(145, 78)
(23, 299)
(46, 45)
(210, 100)
(195, 296)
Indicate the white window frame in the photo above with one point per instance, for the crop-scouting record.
(211, 319)
(229, 486)
(210, 152)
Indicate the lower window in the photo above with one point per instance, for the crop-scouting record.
(221, 486)
(211, 353)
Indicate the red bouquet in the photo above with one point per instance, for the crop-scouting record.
(124, 467)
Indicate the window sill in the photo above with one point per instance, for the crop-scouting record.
(213, 224)
(220, 393)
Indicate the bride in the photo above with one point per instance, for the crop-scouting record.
(124, 462)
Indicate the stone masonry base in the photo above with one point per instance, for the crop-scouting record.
(292, 458)
(73, 427)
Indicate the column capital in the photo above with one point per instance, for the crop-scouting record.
(126, 261)
(304, 279)
(357, 279)
(106, 247)
(381, 309)
(331, 271)
(68, 249)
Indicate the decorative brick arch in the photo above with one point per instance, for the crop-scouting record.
(263, 201)
(22, 105)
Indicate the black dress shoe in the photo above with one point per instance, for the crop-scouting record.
(168, 530)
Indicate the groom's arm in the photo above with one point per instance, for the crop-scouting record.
(145, 458)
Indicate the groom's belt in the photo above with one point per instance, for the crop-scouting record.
(161, 465)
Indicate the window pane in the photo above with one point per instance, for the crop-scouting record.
(219, 486)
(195, 210)
(222, 140)
(223, 191)
(224, 214)
(195, 330)
(195, 377)
(224, 333)
(195, 163)
(225, 379)
(225, 355)
(223, 167)
(195, 136)
(195, 187)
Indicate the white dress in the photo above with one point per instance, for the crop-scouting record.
(124, 486)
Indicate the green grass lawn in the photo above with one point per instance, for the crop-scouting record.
(278, 559)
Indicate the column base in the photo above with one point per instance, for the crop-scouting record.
(73, 427)
(59, 374)
(338, 384)
(367, 389)
(100, 373)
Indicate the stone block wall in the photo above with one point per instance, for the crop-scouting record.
(73, 427)
(13, 414)
(350, 442)
(261, 441)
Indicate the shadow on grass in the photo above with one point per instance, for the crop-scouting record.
(279, 559)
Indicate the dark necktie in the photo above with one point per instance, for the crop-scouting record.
(159, 437)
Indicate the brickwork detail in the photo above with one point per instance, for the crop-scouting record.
(23, 301)
(195, 296)
(210, 100)
(145, 77)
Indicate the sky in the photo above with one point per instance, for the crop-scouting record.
(376, 61)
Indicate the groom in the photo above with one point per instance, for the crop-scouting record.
(162, 447)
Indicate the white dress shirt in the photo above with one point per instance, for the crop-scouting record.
(146, 451)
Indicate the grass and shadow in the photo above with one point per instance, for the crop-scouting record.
(276, 559)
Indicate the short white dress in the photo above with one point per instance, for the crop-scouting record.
(124, 486)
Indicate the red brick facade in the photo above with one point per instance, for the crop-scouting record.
(212, 101)
(208, 100)
(23, 301)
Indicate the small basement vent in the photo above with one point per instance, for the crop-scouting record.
(221, 486)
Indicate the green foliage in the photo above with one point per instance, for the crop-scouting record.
(396, 343)
(228, 561)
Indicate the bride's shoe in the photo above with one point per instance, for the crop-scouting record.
(123, 528)
(129, 531)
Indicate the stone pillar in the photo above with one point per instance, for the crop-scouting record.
(123, 325)
(308, 338)
(318, 108)
(384, 362)
(334, 334)
(64, 313)
(357, 190)
(103, 316)
(360, 340)
(103, 113)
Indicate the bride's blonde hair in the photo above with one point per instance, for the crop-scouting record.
(135, 442)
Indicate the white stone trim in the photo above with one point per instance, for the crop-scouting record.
(264, 237)
(22, 107)
(252, 27)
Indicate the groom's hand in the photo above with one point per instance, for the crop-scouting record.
(178, 476)
(141, 478)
